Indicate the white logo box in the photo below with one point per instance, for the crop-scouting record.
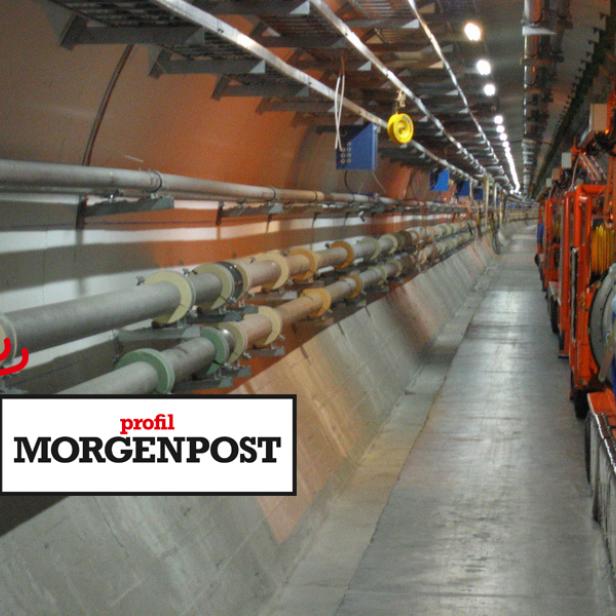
(149, 445)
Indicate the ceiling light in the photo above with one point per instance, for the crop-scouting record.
(483, 66)
(498, 119)
(500, 128)
(489, 89)
(503, 137)
(473, 31)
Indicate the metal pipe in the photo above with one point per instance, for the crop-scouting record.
(192, 356)
(330, 257)
(140, 377)
(53, 324)
(297, 309)
(261, 272)
(46, 326)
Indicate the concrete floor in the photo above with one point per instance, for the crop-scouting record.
(490, 512)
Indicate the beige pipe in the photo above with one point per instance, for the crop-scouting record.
(298, 264)
(297, 309)
(340, 289)
(330, 257)
(256, 327)
(261, 272)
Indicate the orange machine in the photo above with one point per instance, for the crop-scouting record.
(587, 249)
(549, 260)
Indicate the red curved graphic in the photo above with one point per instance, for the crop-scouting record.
(18, 367)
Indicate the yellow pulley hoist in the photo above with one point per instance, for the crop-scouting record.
(400, 128)
(602, 249)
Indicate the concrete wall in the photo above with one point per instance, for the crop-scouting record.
(225, 556)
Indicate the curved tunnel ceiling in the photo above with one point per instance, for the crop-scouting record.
(205, 124)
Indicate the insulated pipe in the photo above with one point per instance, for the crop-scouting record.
(170, 294)
(260, 272)
(298, 309)
(330, 257)
(139, 378)
(46, 326)
(143, 375)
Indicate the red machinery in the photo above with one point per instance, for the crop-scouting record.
(587, 251)
(550, 258)
(587, 274)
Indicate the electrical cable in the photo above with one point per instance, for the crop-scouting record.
(338, 100)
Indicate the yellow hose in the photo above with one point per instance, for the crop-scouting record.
(602, 246)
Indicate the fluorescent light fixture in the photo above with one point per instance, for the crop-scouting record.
(489, 89)
(483, 66)
(498, 119)
(473, 31)
(500, 128)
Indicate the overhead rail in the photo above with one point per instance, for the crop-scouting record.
(187, 11)
(148, 370)
(165, 22)
(166, 297)
(439, 52)
(370, 56)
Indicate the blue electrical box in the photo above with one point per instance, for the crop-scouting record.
(439, 181)
(478, 194)
(359, 147)
(464, 188)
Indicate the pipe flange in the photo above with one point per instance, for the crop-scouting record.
(321, 295)
(185, 289)
(359, 285)
(227, 284)
(240, 268)
(282, 263)
(381, 270)
(350, 253)
(7, 330)
(376, 251)
(313, 264)
(276, 322)
(394, 241)
(240, 339)
(221, 350)
(166, 374)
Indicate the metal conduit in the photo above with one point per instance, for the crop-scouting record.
(46, 326)
(37, 177)
(50, 325)
(261, 272)
(297, 309)
(330, 257)
(141, 377)
(195, 355)
(298, 264)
